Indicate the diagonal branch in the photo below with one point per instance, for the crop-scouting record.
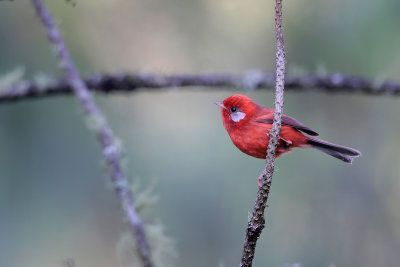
(253, 79)
(106, 137)
(257, 220)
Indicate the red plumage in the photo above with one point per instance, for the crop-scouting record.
(248, 125)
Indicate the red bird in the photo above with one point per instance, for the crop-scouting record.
(248, 125)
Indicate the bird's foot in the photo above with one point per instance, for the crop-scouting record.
(288, 142)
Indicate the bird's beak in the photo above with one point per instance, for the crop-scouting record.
(219, 103)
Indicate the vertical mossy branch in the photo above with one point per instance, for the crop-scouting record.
(105, 134)
(257, 220)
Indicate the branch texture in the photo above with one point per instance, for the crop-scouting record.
(248, 80)
(106, 137)
(257, 220)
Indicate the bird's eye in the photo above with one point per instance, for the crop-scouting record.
(234, 109)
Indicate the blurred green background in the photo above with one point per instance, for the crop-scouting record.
(55, 199)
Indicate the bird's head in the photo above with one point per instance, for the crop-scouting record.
(236, 110)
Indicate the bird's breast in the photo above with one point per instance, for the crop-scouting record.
(252, 139)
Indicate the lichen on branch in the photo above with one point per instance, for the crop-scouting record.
(257, 220)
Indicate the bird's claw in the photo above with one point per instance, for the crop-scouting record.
(288, 142)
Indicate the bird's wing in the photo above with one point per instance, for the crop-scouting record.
(288, 121)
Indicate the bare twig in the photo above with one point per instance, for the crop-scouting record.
(257, 220)
(254, 79)
(106, 137)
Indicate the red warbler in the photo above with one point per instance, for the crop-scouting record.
(248, 125)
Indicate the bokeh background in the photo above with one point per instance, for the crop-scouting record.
(55, 199)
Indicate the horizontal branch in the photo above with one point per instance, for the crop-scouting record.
(249, 80)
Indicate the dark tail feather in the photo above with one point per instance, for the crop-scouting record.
(343, 153)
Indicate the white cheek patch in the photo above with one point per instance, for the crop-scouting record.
(237, 116)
